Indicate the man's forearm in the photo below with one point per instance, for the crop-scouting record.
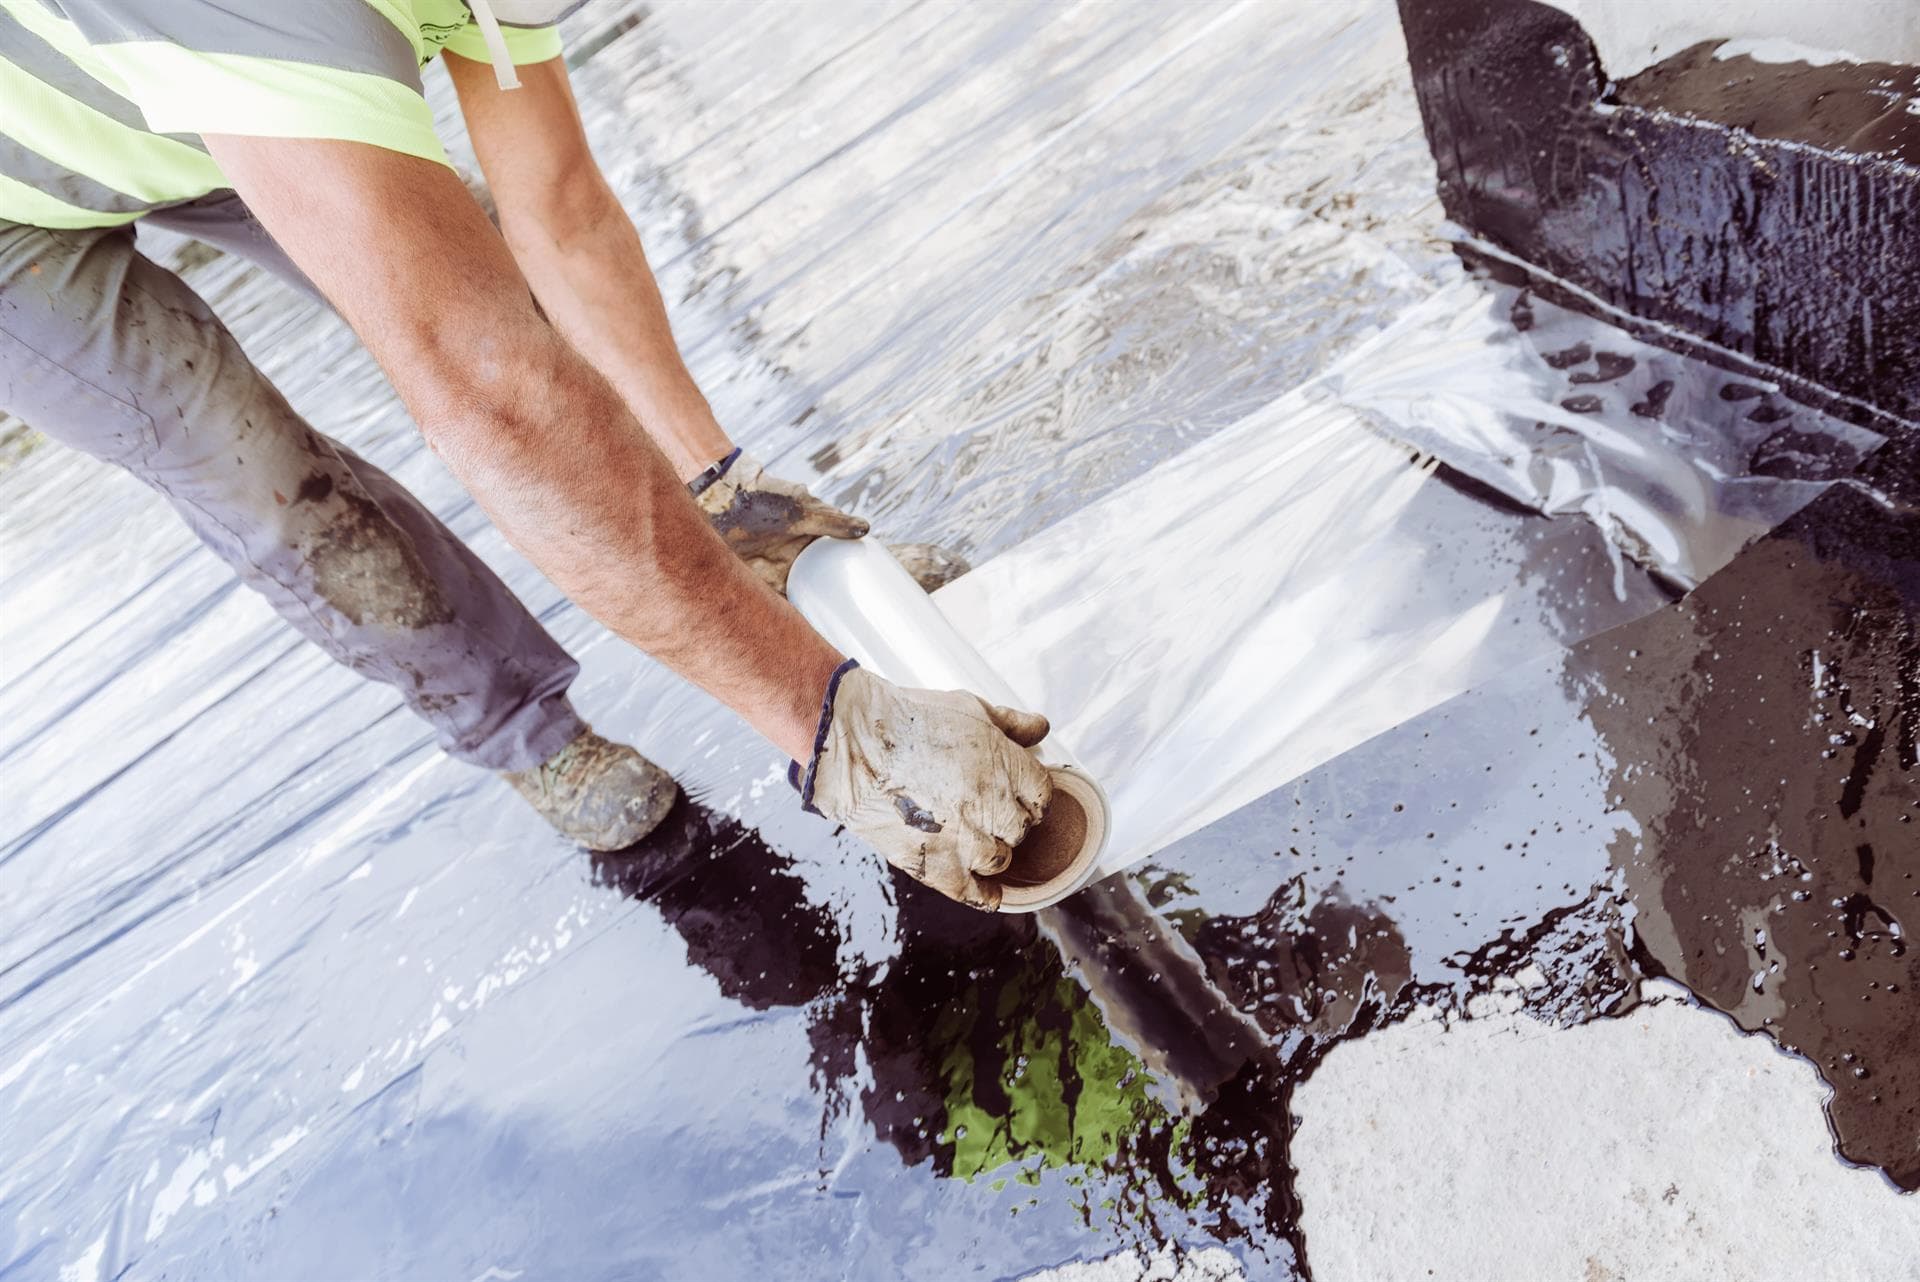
(584, 260)
(564, 472)
(580, 253)
(545, 445)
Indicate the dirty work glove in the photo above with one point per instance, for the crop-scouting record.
(768, 521)
(939, 782)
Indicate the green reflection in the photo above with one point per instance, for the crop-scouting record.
(1043, 1085)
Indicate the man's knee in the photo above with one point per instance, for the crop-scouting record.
(362, 563)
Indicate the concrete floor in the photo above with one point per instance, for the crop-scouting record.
(1662, 1144)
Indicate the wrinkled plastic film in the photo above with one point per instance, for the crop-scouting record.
(1681, 465)
(1292, 587)
(1187, 631)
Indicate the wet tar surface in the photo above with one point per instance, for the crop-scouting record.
(1723, 793)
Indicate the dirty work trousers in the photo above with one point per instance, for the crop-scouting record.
(106, 351)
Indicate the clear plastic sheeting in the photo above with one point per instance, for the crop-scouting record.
(1276, 596)
(1192, 628)
(1680, 468)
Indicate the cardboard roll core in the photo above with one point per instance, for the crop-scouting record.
(1060, 852)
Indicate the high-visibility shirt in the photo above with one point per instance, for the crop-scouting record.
(102, 102)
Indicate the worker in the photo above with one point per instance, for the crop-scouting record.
(536, 359)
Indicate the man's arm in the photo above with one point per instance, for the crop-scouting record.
(580, 252)
(537, 436)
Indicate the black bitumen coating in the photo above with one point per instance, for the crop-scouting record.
(1762, 731)
(1773, 210)
(1849, 108)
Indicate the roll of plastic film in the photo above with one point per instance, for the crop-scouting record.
(859, 598)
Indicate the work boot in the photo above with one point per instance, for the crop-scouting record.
(601, 794)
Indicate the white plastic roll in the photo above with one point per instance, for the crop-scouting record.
(858, 597)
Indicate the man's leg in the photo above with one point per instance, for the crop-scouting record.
(103, 350)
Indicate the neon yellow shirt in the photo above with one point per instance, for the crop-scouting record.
(102, 102)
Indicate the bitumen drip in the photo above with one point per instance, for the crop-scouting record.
(1602, 667)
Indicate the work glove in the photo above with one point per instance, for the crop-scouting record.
(941, 783)
(768, 521)
(765, 520)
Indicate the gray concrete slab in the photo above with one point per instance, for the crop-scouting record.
(1662, 1144)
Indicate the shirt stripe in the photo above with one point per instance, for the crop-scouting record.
(20, 203)
(53, 51)
(63, 37)
(71, 133)
(347, 35)
(23, 164)
(30, 51)
(268, 98)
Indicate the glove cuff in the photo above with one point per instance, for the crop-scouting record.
(803, 781)
(701, 483)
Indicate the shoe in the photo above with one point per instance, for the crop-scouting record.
(931, 565)
(601, 794)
